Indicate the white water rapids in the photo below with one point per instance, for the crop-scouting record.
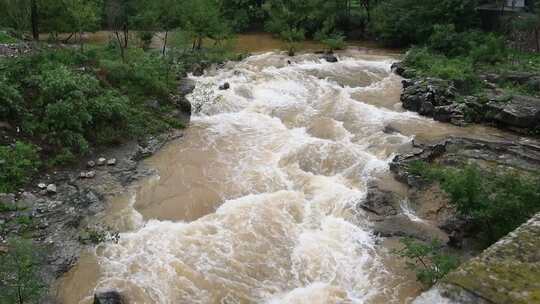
(258, 202)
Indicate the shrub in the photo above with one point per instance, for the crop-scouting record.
(19, 273)
(6, 38)
(11, 100)
(460, 70)
(427, 260)
(404, 22)
(332, 42)
(17, 164)
(496, 203)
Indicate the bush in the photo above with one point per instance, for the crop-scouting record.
(67, 101)
(17, 164)
(460, 70)
(6, 38)
(405, 22)
(427, 260)
(332, 42)
(19, 273)
(496, 203)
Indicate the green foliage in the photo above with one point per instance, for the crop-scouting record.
(19, 273)
(335, 41)
(242, 14)
(496, 203)
(6, 38)
(427, 260)
(17, 163)
(405, 22)
(460, 70)
(70, 100)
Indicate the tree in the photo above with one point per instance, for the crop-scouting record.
(204, 20)
(19, 273)
(242, 14)
(119, 14)
(16, 14)
(404, 22)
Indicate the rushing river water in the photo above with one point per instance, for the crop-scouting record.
(257, 203)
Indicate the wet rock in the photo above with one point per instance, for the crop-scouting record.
(42, 186)
(398, 68)
(186, 87)
(109, 297)
(225, 86)
(330, 58)
(111, 162)
(380, 202)
(102, 161)
(51, 189)
(403, 226)
(519, 111)
(198, 70)
(91, 164)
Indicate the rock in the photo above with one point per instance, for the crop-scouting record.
(111, 162)
(225, 86)
(517, 77)
(534, 83)
(186, 87)
(42, 186)
(3, 249)
(402, 226)
(109, 297)
(519, 111)
(7, 198)
(26, 200)
(380, 202)
(91, 164)
(89, 174)
(330, 58)
(506, 272)
(51, 189)
(102, 161)
(198, 70)
(397, 67)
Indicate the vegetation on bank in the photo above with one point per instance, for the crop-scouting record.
(428, 260)
(494, 202)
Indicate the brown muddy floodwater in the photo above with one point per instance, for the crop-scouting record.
(256, 204)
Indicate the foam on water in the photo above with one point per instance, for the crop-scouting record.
(297, 150)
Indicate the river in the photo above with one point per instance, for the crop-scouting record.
(257, 203)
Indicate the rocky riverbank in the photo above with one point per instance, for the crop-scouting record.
(506, 272)
(60, 211)
(441, 100)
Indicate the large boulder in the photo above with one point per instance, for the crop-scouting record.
(424, 95)
(519, 111)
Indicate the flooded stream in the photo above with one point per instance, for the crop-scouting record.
(257, 202)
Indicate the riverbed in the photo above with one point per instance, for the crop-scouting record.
(257, 203)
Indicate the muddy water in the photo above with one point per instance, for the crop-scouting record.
(256, 204)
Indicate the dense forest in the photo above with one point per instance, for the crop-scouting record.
(64, 96)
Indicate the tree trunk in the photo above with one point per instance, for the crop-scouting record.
(537, 36)
(121, 46)
(165, 43)
(34, 19)
(126, 35)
